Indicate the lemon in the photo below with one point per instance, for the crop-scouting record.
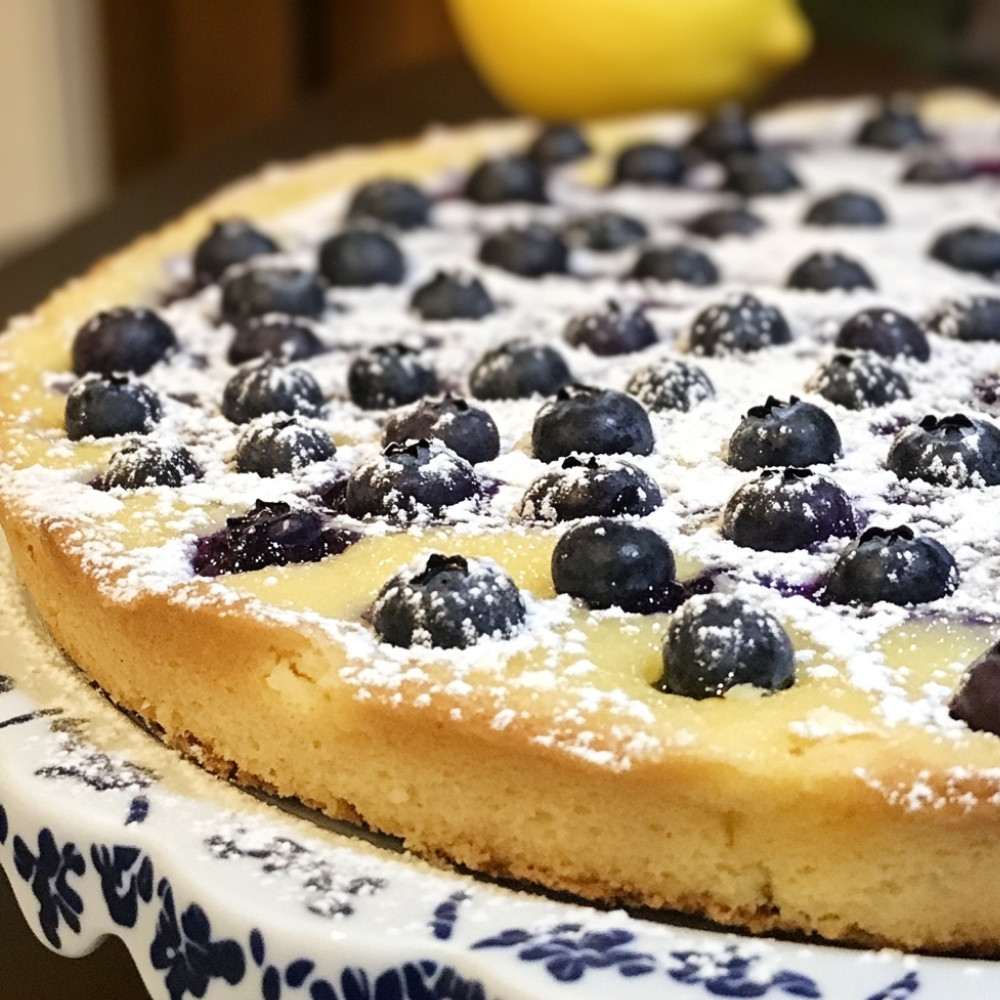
(575, 58)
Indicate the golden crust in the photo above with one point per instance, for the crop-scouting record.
(262, 699)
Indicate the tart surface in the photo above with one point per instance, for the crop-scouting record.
(850, 803)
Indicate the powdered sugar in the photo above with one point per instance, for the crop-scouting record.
(688, 462)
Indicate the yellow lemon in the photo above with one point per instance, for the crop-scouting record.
(572, 58)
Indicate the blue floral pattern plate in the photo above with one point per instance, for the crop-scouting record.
(218, 894)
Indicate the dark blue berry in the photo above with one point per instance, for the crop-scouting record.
(606, 231)
(977, 701)
(273, 533)
(558, 143)
(389, 375)
(269, 387)
(122, 340)
(670, 384)
(105, 406)
(409, 479)
(506, 178)
(787, 509)
(448, 603)
(886, 332)
(452, 296)
(611, 563)
(737, 326)
(969, 248)
(591, 487)
(938, 170)
(529, 251)
(717, 223)
(611, 330)
(259, 290)
(894, 126)
(846, 208)
(231, 241)
(953, 451)
(976, 317)
(390, 202)
(143, 462)
(589, 420)
(281, 337)
(890, 564)
(858, 380)
(518, 369)
(466, 430)
(649, 163)
(361, 257)
(826, 270)
(724, 133)
(676, 263)
(717, 641)
(753, 174)
(281, 442)
(795, 433)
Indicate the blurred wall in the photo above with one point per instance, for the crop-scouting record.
(53, 158)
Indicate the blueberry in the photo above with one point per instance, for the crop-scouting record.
(649, 163)
(389, 375)
(558, 143)
(390, 202)
(273, 533)
(231, 241)
(724, 133)
(969, 248)
(778, 433)
(409, 479)
(856, 381)
(282, 337)
(260, 387)
(452, 296)
(281, 442)
(894, 126)
(506, 178)
(670, 384)
(529, 251)
(361, 257)
(594, 487)
(846, 208)
(753, 174)
(606, 231)
(787, 509)
(610, 563)
(610, 331)
(468, 431)
(717, 641)
(740, 325)
(717, 223)
(938, 170)
(953, 451)
(449, 603)
(142, 462)
(824, 271)
(259, 290)
(977, 701)
(518, 369)
(589, 420)
(676, 263)
(105, 406)
(122, 340)
(976, 317)
(886, 332)
(890, 564)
